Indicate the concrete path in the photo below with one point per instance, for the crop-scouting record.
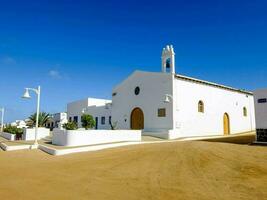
(146, 138)
(46, 145)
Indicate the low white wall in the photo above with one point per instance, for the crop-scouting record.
(29, 133)
(90, 137)
(8, 136)
(161, 133)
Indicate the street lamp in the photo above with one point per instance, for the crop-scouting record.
(2, 119)
(167, 98)
(84, 110)
(27, 96)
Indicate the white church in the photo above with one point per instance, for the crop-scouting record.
(168, 105)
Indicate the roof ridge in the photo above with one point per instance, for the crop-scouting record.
(212, 84)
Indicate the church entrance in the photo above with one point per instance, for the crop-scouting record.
(137, 119)
(226, 124)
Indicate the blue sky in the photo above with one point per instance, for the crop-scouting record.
(76, 49)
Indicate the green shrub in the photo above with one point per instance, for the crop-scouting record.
(87, 121)
(70, 126)
(13, 130)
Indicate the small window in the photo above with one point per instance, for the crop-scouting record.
(103, 120)
(114, 94)
(262, 100)
(245, 112)
(137, 90)
(161, 112)
(201, 107)
(70, 119)
(109, 120)
(75, 119)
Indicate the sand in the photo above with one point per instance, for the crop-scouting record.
(177, 170)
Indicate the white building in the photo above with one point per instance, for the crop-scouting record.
(260, 99)
(168, 105)
(100, 109)
(57, 120)
(19, 124)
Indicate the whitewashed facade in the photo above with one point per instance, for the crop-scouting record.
(19, 124)
(218, 100)
(57, 120)
(260, 99)
(100, 109)
(168, 105)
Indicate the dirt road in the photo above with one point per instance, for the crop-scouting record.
(177, 170)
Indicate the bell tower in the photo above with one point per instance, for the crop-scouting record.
(168, 60)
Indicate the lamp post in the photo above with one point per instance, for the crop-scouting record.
(167, 98)
(27, 96)
(84, 110)
(2, 119)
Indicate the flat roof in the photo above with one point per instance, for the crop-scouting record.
(182, 77)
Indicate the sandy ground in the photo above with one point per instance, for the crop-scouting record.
(176, 170)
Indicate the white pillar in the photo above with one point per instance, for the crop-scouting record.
(172, 57)
(37, 115)
(2, 119)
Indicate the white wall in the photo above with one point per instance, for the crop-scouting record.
(99, 112)
(95, 107)
(75, 109)
(217, 101)
(261, 109)
(153, 87)
(182, 116)
(29, 133)
(91, 137)
(19, 124)
(8, 136)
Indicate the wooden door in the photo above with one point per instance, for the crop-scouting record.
(137, 119)
(226, 124)
(96, 123)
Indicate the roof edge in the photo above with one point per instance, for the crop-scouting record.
(178, 76)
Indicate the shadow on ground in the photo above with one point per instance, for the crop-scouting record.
(241, 139)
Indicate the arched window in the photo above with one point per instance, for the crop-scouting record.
(201, 106)
(168, 65)
(245, 112)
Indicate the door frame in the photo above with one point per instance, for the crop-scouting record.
(226, 124)
(143, 118)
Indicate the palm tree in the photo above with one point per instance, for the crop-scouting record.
(43, 118)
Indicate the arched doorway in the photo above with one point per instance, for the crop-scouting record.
(137, 119)
(226, 124)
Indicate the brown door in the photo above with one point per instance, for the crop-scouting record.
(137, 119)
(226, 124)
